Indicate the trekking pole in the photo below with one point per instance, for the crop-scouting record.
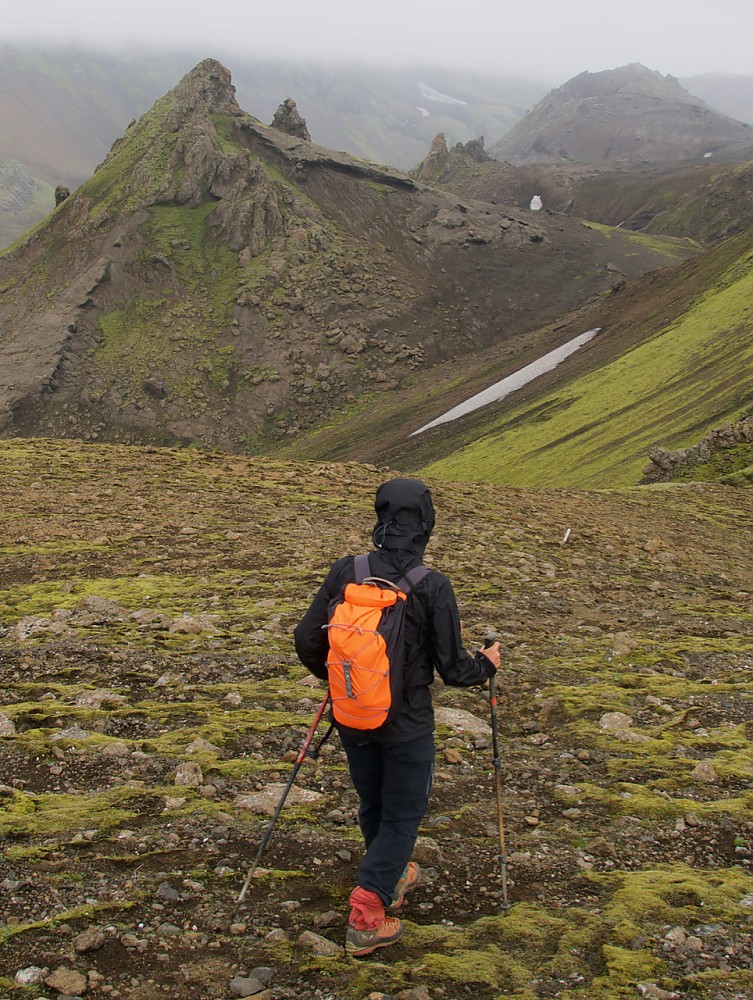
(502, 856)
(291, 779)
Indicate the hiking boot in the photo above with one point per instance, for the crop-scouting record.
(407, 882)
(359, 943)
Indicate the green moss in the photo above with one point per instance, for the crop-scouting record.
(88, 913)
(696, 361)
(48, 814)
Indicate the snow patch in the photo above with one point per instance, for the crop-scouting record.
(497, 392)
(434, 95)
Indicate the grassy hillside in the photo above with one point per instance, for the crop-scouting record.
(595, 430)
(152, 704)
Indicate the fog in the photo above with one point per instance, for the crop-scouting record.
(545, 40)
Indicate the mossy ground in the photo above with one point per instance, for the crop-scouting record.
(613, 838)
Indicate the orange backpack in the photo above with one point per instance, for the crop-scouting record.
(367, 647)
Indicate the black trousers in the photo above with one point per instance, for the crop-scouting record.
(393, 782)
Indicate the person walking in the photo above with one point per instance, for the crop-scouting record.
(391, 766)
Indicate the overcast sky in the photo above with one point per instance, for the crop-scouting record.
(542, 40)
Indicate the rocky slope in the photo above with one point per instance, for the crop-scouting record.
(221, 281)
(61, 108)
(151, 706)
(630, 114)
(24, 199)
(671, 362)
(704, 202)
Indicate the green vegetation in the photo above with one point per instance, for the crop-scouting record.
(596, 431)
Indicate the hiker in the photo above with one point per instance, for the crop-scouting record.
(391, 766)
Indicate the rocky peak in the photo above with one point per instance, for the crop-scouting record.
(628, 114)
(207, 87)
(474, 150)
(428, 169)
(287, 119)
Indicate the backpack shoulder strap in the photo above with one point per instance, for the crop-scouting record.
(361, 567)
(413, 576)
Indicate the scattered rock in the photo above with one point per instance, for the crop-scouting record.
(464, 722)
(705, 772)
(427, 852)
(189, 773)
(92, 939)
(7, 728)
(319, 945)
(67, 981)
(245, 987)
(615, 721)
(31, 975)
(201, 744)
(267, 799)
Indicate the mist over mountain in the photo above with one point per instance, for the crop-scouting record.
(220, 281)
(732, 94)
(630, 114)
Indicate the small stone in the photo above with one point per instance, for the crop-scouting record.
(189, 773)
(615, 721)
(171, 802)
(532, 820)
(705, 772)
(266, 800)
(31, 975)
(67, 981)
(169, 930)
(7, 728)
(245, 987)
(166, 891)
(238, 929)
(92, 939)
(277, 936)
(331, 918)
(676, 936)
(320, 946)
(201, 744)
(453, 756)
(427, 852)
(263, 973)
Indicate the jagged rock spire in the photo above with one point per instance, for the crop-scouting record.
(287, 119)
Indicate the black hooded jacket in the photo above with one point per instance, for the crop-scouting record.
(432, 628)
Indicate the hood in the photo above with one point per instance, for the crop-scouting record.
(406, 515)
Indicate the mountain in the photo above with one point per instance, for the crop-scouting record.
(24, 199)
(674, 360)
(706, 202)
(62, 108)
(729, 93)
(224, 282)
(630, 114)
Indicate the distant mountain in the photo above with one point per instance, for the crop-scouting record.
(221, 281)
(731, 94)
(23, 200)
(61, 109)
(631, 114)
(706, 202)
